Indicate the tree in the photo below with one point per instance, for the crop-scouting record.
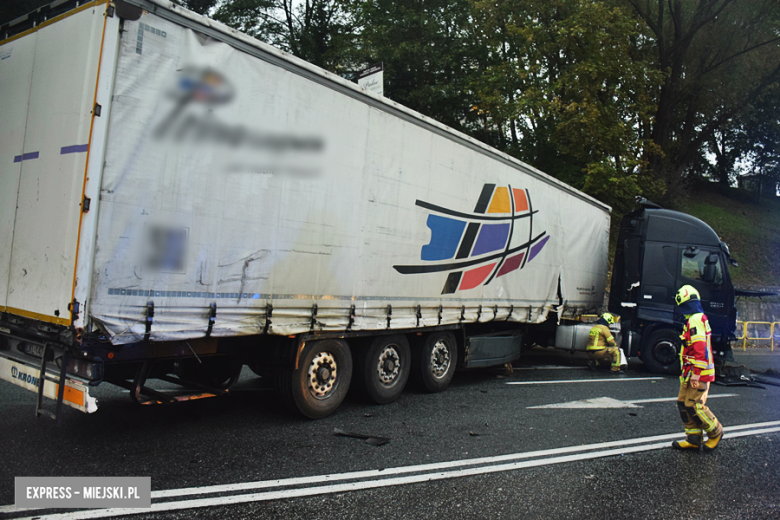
(260, 19)
(318, 31)
(199, 6)
(763, 136)
(428, 52)
(717, 56)
(727, 145)
(13, 9)
(568, 81)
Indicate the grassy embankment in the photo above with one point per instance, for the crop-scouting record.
(751, 230)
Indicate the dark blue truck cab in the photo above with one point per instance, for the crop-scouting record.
(658, 251)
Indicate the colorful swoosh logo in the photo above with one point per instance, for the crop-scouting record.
(479, 245)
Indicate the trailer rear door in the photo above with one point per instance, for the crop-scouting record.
(48, 77)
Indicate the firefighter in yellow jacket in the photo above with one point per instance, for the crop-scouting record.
(601, 345)
(698, 371)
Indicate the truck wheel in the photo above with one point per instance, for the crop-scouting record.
(435, 361)
(318, 386)
(661, 352)
(385, 368)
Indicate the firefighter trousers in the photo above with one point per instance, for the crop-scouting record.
(697, 418)
(607, 355)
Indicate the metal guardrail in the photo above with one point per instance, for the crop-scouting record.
(774, 331)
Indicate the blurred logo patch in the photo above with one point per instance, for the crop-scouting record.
(165, 248)
(199, 117)
(202, 85)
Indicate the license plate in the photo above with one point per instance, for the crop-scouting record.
(32, 349)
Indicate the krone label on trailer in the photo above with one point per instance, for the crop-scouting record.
(76, 395)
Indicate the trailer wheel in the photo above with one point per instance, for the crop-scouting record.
(435, 361)
(318, 386)
(384, 368)
(661, 352)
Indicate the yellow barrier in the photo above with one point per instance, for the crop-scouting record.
(771, 338)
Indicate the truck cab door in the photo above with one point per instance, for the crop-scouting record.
(659, 273)
(703, 269)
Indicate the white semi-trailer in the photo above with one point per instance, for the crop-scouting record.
(178, 200)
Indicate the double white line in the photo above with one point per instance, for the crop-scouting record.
(322, 484)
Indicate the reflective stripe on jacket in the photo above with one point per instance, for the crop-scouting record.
(696, 352)
(600, 336)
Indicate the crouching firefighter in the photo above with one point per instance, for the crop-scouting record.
(698, 371)
(601, 347)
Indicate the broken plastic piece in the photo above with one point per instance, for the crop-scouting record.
(739, 383)
(765, 381)
(370, 439)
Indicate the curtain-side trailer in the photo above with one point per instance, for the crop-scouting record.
(179, 200)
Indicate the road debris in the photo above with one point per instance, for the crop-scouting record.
(369, 439)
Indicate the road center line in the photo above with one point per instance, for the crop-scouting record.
(605, 403)
(318, 479)
(660, 399)
(378, 483)
(582, 380)
(422, 467)
(551, 367)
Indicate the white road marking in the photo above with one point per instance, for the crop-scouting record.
(659, 399)
(582, 380)
(608, 402)
(621, 447)
(598, 402)
(550, 367)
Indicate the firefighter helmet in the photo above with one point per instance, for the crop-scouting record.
(686, 292)
(609, 318)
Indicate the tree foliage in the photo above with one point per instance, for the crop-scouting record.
(428, 52)
(199, 6)
(762, 138)
(566, 79)
(615, 97)
(13, 9)
(318, 31)
(718, 57)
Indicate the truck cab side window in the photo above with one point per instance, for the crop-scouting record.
(703, 266)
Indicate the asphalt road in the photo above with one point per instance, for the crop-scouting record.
(566, 442)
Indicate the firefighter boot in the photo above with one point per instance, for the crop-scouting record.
(691, 442)
(713, 439)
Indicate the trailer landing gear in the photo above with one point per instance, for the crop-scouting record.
(141, 394)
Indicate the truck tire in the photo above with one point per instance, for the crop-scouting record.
(661, 352)
(320, 383)
(435, 359)
(384, 368)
